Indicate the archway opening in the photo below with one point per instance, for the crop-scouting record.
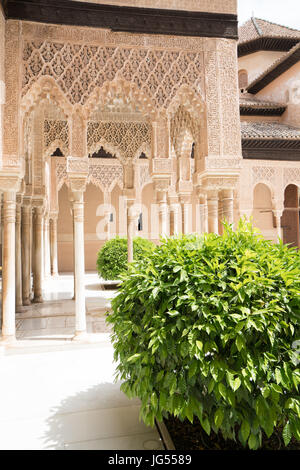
(94, 225)
(263, 217)
(64, 232)
(290, 216)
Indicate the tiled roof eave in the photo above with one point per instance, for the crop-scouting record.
(267, 43)
(277, 69)
(257, 110)
(270, 143)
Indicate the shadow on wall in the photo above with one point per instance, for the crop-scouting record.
(98, 413)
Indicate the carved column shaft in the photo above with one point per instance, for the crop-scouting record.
(227, 203)
(186, 215)
(77, 170)
(53, 245)
(278, 215)
(8, 266)
(18, 260)
(26, 214)
(47, 266)
(212, 210)
(203, 213)
(79, 268)
(174, 213)
(37, 253)
(161, 188)
(132, 218)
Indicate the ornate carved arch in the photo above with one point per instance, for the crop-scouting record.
(144, 148)
(57, 143)
(108, 147)
(43, 88)
(120, 88)
(193, 102)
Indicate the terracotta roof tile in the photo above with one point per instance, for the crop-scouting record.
(288, 56)
(269, 130)
(256, 27)
(248, 100)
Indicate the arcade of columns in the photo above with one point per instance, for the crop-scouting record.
(160, 96)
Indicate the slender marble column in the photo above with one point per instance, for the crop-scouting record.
(186, 215)
(175, 211)
(201, 213)
(37, 252)
(131, 228)
(278, 214)
(47, 267)
(26, 214)
(53, 245)
(163, 215)
(227, 203)
(18, 260)
(8, 267)
(212, 209)
(79, 269)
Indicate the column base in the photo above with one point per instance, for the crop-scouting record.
(8, 340)
(20, 309)
(26, 302)
(38, 299)
(80, 336)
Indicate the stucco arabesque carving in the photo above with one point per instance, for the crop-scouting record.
(219, 182)
(79, 68)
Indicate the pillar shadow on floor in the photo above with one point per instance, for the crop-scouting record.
(99, 418)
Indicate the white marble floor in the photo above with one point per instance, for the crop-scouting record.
(59, 394)
(56, 318)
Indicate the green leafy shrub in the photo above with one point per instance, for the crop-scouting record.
(205, 326)
(112, 258)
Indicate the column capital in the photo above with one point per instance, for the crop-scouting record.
(53, 215)
(217, 182)
(227, 193)
(77, 172)
(130, 195)
(185, 198)
(19, 199)
(212, 194)
(9, 182)
(27, 201)
(161, 184)
(278, 212)
(161, 168)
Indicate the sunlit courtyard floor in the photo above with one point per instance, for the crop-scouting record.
(55, 318)
(59, 394)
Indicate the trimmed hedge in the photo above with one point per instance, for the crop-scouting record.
(206, 326)
(112, 258)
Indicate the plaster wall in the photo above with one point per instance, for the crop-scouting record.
(275, 176)
(261, 118)
(214, 6)
(286, 89)
(257, 63)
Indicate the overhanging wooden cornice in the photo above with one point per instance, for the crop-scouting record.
(256, 111)
(279, 44)
(278, 69)
(123, 18)
(271, 149)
